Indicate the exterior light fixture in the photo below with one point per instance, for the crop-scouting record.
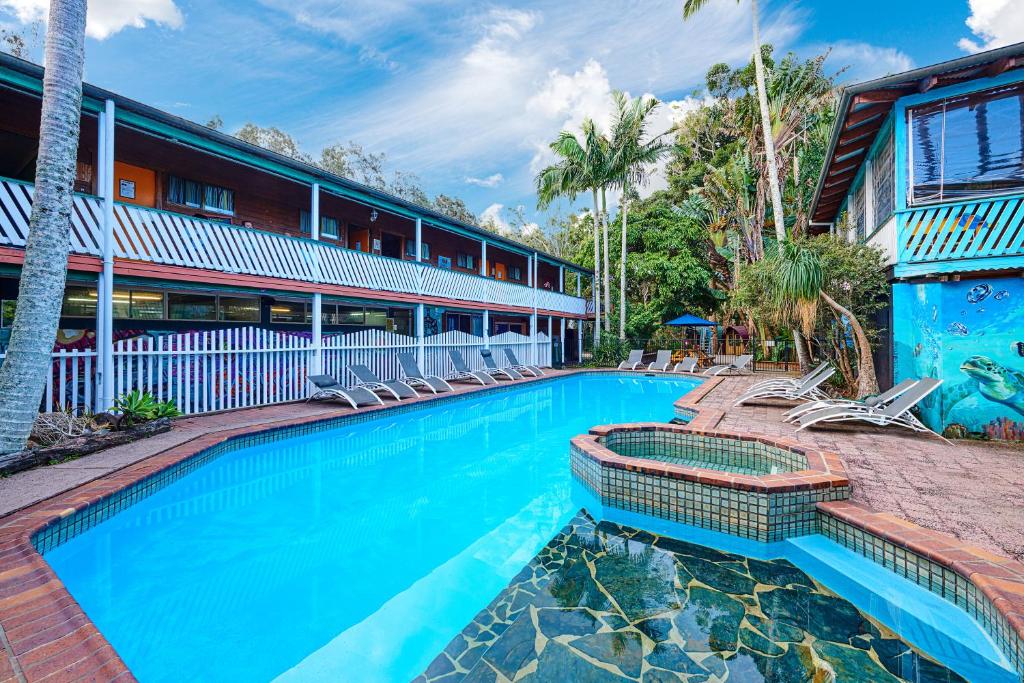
(373, 215)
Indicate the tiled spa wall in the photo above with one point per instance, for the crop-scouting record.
(675, 446)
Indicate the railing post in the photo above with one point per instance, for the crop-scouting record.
(483, 258)
(317, 313)
(551, 342)
(420, 350)
(487, 328)
(105, 284)
(561, 338)
(579, 341)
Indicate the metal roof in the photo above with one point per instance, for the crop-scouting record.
(303, 170)
(864, 108)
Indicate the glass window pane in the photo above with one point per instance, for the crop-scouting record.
(328, 226)
(403, 320)
(240, 309)
(883, 191)
(377, 317)
(288, 312)
(181, 306)
(147, 305)
(304, 222)
(219, 199)
(79, 302)
(193, 193)
(176, 190)
(350, 315)
(7, 310)
(122, 303)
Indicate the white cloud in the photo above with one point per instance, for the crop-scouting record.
(492, 180)
(106, 17)
(863, 61)
(995, 22)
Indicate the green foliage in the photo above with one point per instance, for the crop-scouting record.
(610, 352)
(137, 406)
(853, 275)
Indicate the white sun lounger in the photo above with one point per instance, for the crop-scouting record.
(661, 361)
(809, 388)
(789, 381)
(492, 369)
(367, 379)
(463, 373)
(688, 364)
(897, 412)
(636, 357)
(519, 367)
(329, 388)
(879, 401)
(414, 377)
(738, 366)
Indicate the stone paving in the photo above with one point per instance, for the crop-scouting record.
(973, 489)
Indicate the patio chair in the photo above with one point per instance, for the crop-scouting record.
(415, 378)
(492, 369)
(688, 364)
(329, 388)
(661, 361)
(636, 357)
(519, 367)
(896, 412)
(463, 373)
(790, 381)
(738, 366)
(879, 401)
(367, 379)
(809, 388)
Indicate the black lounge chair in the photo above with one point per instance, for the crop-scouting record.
(368, 380)
(329, 388)
(463, 373)
(519, 367)
(492, 369)
(414, 377)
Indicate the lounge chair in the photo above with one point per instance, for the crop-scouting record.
(492, 369)
(688, 364)
(661, 361)
(636, 357)
(809, 388)
(790, 381)
(463, 373)
(897, 412)
(738, 366)
(519, 367)
(877, 402)
(415, 378)
(368, 380)
(329, 388)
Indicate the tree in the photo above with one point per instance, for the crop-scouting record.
(582, 166)
(274, 139)
(40, 294)
(631, 157)
(215, 122)
(691, 7)
(454, 208)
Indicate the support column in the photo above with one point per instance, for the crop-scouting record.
(419, 240)
(420, 349)
(561, 337)
(529, 271)
(317, 315)
(105, 288)
(533, 338)
(487, 329)
(561, 279)
(483, 258)
(551, 342)
(579, 285)
(597, 310)
(579, 340)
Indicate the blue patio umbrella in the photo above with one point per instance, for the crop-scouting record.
(690, 320)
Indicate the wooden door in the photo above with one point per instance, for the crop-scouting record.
(359, 239)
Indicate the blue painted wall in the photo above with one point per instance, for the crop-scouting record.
(970, 334)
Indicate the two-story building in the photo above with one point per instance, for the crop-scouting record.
(179, 228)
(928, 165)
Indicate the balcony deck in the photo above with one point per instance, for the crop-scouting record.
(175, 241)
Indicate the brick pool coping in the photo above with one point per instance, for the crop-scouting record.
(45, 634)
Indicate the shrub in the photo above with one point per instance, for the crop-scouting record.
(610, 351)
(53, 429)
(140, 406)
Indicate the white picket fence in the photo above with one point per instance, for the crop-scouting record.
(245, 367)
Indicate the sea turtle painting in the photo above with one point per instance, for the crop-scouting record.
(992, 380)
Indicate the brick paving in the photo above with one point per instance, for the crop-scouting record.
(973, 490)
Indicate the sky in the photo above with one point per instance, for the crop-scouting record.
(466, 94)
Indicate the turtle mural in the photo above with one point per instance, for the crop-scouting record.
(995, 382)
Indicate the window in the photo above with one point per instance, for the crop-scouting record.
(515, 273)
(401, 320)
(465, 261)
(350, 315)
(376, 317)
(967, 146)
(79, 302)
(187, 306)
(410, 250)
(289, 312)
(242, 309)
(133, 304)
(883, 188)
(464, 322)
(198, 195)
(857, 212)
(7, 309)
(142, 305)
(328, 225)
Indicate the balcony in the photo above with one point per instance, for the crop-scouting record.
(150, 236)
(986, 234)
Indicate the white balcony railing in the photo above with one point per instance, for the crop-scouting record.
(152, 236)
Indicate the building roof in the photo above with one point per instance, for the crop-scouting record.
(14, 70)
(864, 108)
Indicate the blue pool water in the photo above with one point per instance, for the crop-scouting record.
(356, 554)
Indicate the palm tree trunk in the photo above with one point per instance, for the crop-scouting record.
(622, 267)
(597, 270)
(766, 129)
(41, 290)
(867, 381)
(801, 351)
(607, 267)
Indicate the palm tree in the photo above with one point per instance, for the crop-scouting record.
(582, 166)
(631, 158)
(691, 7)
(40, 294)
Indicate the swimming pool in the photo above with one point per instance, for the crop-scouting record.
(354, 553)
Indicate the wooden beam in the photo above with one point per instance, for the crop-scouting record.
(876, 96)
(858, 117)
(927, 84)
(999, 66)
(833, 172)
(868, 130)
(856, 147)
(833, 191)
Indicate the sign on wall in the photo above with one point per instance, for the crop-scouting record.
(126, 189)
